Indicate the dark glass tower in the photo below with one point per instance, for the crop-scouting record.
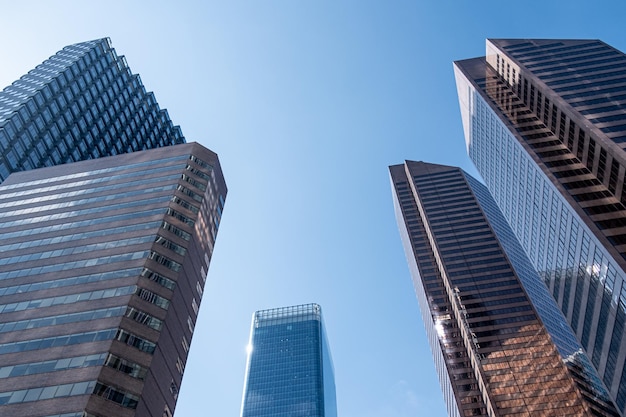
(289, 371)
(545, 124)
(102, 269)
(82, 103)
(501, 345)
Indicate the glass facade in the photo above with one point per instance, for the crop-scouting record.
(541, 121)
(493, 327)
(289, 371)
(102, 269)
(81, 103)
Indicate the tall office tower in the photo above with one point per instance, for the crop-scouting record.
(82, 103)
(102, 268)
(289, 370)
(544, 123)
(501, 345)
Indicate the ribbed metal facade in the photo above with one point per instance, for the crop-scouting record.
(82, 103)
(102, 269)
(500, 343)
(545, 124)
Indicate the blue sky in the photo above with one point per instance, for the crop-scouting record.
(307, 103)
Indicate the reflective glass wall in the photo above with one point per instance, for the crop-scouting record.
(289, 371)
(81, 103)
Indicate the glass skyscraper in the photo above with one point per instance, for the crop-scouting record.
(545, 125)
(102, 262)
(500, 343)
(82, 103)
(289, 371)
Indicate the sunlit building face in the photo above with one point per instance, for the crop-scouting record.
(499, 341)
(101, 281)
(81, 103)
(290, 370)
(108, 222)
(545, 125)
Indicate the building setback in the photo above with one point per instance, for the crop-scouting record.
(102, 263)
(500, 344)
(545, 124)
(102, 268)
(82, 103)
(289, 370)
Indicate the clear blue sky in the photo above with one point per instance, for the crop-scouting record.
(307, 103)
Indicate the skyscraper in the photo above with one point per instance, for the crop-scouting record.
(501, 345)
(544, 123)
(102, 269)
(82, 103)
(102, 264)
(289, 370)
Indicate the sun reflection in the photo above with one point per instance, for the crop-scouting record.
(440, 330)
(439, 325)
